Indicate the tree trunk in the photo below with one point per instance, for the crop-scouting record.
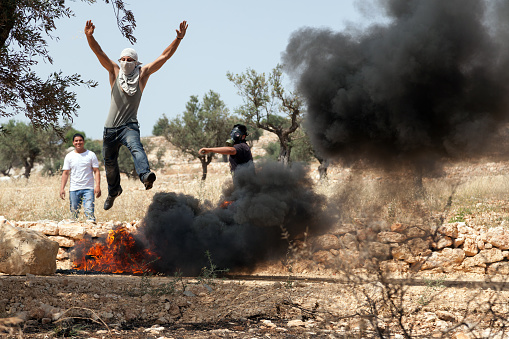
(284, 156)
(28, 164)
(322, 169)
(204, 165)
(285, 149)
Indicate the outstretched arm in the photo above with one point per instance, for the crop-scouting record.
(221, 150)
(154, 66)
(106, 62)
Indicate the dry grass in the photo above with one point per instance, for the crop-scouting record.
(351, 195)
(38, 197)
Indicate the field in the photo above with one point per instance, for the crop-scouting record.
(314, 303)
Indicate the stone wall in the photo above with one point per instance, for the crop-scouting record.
(452, 247)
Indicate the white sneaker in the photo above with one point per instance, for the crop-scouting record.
(89, 221)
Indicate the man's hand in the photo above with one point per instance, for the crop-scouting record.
(203, 151)
(62, 194)
(89, 28)
(182, 31)
(97, 191)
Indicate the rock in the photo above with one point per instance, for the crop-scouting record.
(46, 228)
(296, 323)
(62, 241)
(394, 266)
(72, 231)
(324, 257)
(450, 230)
(388, 237)
(379, 250)
(343, 229)
(404, 253)
(419, 246)
(499, 268)
(25, 251)
(498, 237)
(447, 257)
(416, 232)
(470, 246)
(327, 242)
(488, 256)
(398, 227)
(349, 241)
(444, 242)
(459, 241)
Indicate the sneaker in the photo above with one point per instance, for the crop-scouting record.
(148, 180)
(108, 203)
(90, 221)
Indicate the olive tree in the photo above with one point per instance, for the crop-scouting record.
(268, 106)
(202, 124)
(25, 25)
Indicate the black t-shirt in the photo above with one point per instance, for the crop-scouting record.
(243, 155)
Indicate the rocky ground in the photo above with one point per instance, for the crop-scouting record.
(113, 306)
(306, 300)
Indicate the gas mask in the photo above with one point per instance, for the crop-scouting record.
(127, 66)
(235, 136)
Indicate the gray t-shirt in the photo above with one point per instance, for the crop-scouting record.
(123, 108)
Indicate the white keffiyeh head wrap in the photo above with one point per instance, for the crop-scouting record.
(129, 82)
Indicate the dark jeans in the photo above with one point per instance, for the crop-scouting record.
(113, 139)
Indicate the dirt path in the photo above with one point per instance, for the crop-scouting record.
(116, 306)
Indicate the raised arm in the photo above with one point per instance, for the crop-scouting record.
(154, 66)
(106, 62)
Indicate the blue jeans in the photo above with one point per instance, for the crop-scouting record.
(86, 197)
(113, 138)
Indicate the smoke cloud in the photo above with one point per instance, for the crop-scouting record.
(432, 83)
(249, 231)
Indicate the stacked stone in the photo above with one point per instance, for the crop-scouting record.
(66, 233)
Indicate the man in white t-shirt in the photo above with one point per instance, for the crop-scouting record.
(82, 166)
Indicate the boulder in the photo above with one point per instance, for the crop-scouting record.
(23, 251)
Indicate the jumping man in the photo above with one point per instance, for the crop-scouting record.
(121, 127)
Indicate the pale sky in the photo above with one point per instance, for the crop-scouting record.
(223, 35)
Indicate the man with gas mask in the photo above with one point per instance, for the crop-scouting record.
(121, 127)
(237, 149)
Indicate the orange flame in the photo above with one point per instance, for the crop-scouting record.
(225, 204)
(118, 254)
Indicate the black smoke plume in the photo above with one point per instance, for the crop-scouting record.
(264, 205)
(432, 83)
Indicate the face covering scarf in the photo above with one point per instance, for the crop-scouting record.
(129, 74)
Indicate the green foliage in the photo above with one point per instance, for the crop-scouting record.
(460, 216)
(202, 124)
(95, 146)
(25, 26)
(160, 126)
(24, 146)
(302, 150)
(268, 106)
